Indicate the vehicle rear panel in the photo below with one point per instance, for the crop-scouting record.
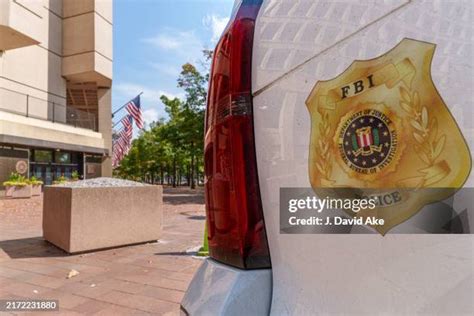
(298, 43)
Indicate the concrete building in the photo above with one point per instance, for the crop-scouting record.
(55, 87)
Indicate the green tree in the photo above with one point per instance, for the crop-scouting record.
(195, 87)
(173, 147)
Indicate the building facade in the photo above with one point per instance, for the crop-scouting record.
(55, 88)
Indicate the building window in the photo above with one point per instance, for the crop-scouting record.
(43, 156)
(62, 157)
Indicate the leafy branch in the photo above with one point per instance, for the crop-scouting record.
(425, 129)
(323, 162)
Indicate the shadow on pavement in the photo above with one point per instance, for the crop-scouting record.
(35, 247)
(175, 253)
(179, 196)
(194, 216)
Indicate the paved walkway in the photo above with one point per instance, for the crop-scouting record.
(136, 280)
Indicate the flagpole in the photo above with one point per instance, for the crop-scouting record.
(115, 124)
(124, 105)
(119, 121)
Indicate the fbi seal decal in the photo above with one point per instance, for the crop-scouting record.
(367, 141)
(381, 124)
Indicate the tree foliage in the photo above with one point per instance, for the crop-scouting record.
(171, 149)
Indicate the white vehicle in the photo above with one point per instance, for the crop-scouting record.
(289, 80)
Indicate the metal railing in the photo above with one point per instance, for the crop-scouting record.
(29, 106)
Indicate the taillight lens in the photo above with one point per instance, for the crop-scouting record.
(236, 228)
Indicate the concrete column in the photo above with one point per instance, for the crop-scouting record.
(105, 127)
(87, 41)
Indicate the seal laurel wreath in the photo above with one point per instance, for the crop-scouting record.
(424, 130)
(324, 163)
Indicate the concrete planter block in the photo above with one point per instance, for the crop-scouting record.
(36, 189)
(79, 219)
(9, 190)
(22, 192)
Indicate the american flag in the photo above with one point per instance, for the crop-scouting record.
(133, 107)
(121, 148)
(123, 143)
(122, 133)
(116, 155)
(118, 152)
(127, 123)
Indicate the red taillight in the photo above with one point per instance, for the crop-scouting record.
(236, 228)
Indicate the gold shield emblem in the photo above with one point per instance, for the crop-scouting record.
(382, 124)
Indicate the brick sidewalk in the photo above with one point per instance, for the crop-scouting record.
(135, 280)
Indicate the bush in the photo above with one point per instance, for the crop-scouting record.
(14, 184)
(75, 175)
(60, 180)
(16, 179)
(34, 181)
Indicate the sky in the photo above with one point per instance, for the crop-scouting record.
(152, 39)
